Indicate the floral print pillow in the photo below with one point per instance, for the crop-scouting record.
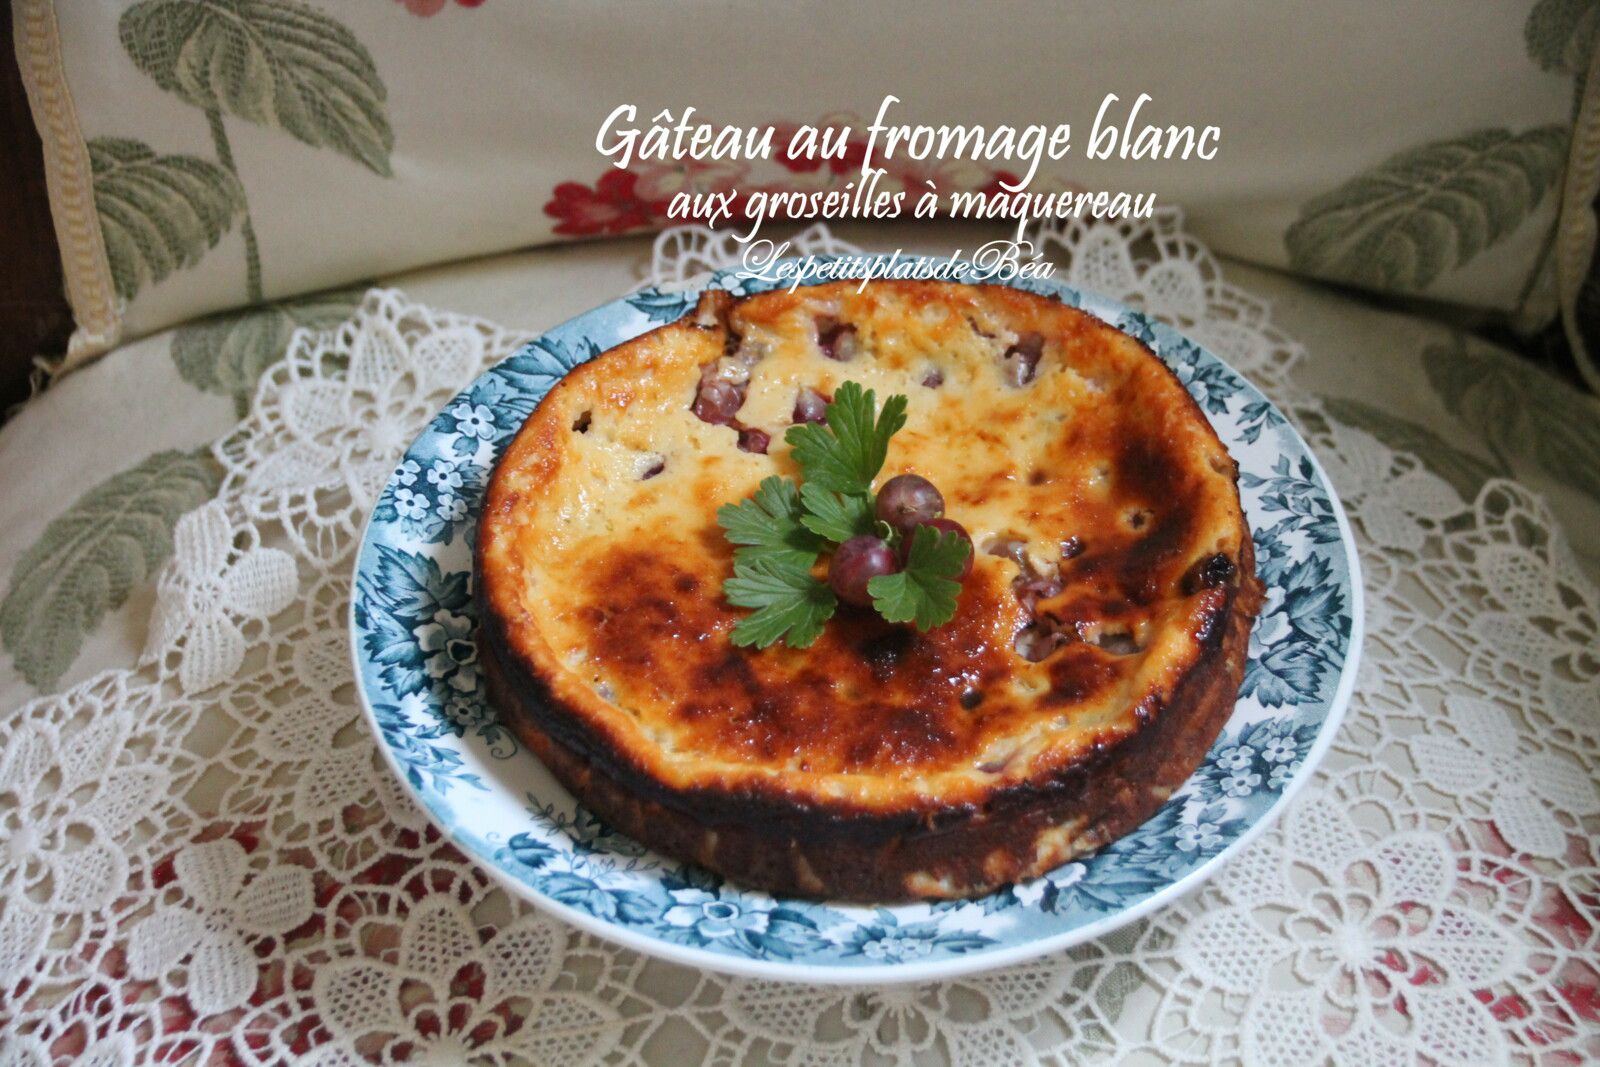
(235, 152)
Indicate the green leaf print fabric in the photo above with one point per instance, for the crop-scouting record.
(226, 354)
(106, 544)
(158, 213)
(275, 63)
(272, 62)
(1426, 211)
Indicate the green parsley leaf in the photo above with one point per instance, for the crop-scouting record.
(847, 454)
(789, 601)
(838, 518)
(769, 526)
(926, 588)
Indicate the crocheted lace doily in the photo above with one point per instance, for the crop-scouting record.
(205, 860)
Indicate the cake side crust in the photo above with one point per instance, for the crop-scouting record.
(864, 856)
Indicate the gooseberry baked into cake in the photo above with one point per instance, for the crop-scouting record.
(1095, 650)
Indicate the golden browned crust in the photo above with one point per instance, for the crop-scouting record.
(967, 852)
(861, 768)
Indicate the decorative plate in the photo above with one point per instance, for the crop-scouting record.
(412, 635)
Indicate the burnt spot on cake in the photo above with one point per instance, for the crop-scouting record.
(884, 652)
(1208, 572)
(1079, 672)
(843, 702)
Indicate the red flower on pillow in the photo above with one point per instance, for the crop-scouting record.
(613, 206)
(425, 8)
(663, 181)
(854, 155)
(994, 188)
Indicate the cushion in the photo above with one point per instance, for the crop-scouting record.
(205, 156)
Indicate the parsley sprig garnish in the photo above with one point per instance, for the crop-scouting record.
(790, 603)
(925, 590)
(846, 454)
(781, 532)
(836, 516)
(771, 527)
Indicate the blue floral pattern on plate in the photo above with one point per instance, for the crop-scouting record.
(416, 659)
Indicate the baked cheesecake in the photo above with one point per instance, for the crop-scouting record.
(1096, 648)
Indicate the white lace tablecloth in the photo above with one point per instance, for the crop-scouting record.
(203, 859)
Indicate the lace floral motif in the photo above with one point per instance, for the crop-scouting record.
(199, 597)
(1374, 911)
(204, 858)
(450, 997)
(60, 832)
(210, 931)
